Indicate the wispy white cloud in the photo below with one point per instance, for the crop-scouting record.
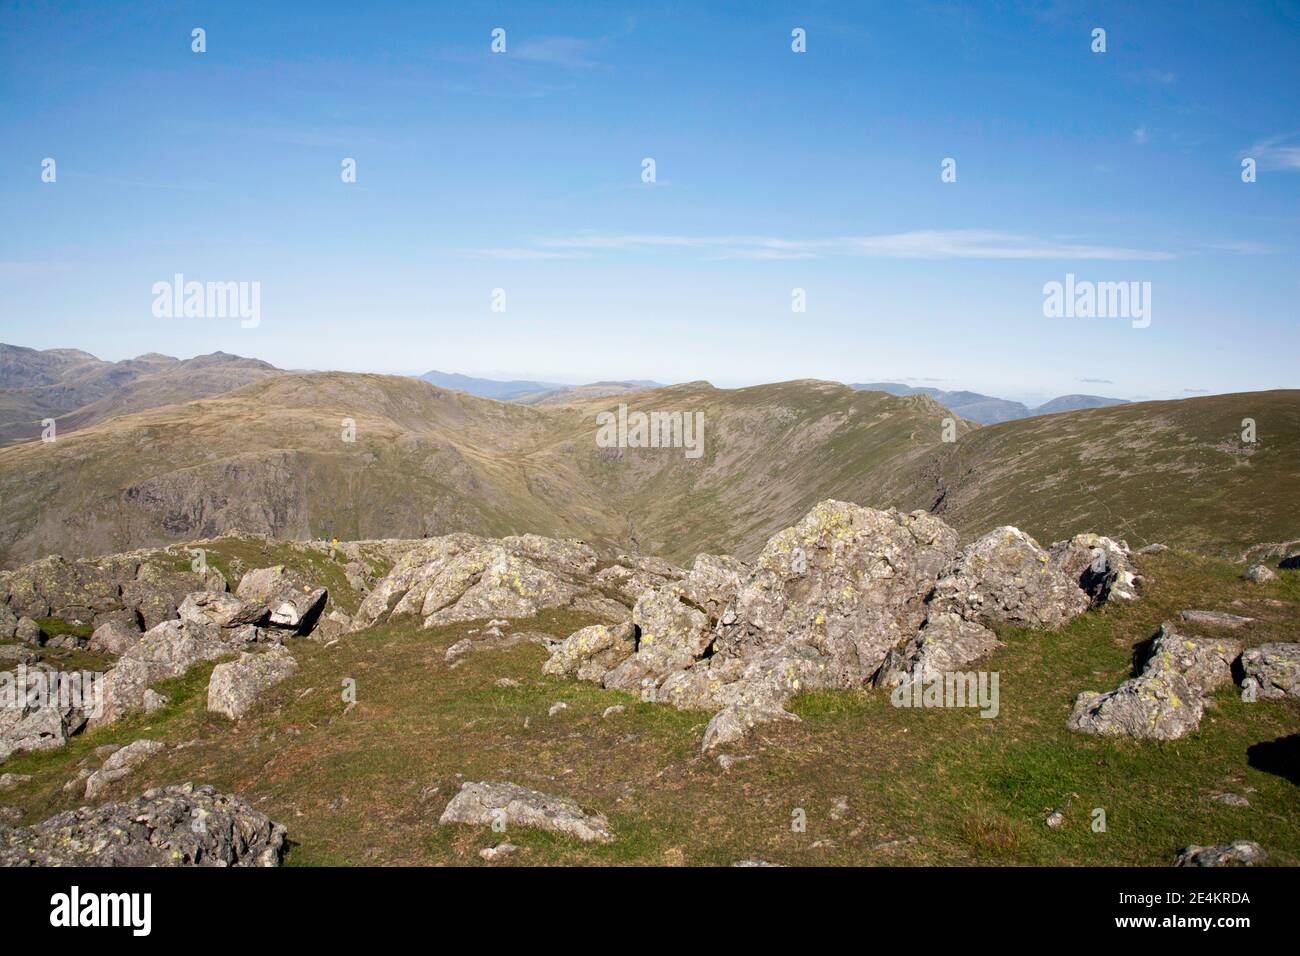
(919, 244)
(524, 254)
(1276, 153)
(1141, 136)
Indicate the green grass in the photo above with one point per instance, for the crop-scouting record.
(945, 786)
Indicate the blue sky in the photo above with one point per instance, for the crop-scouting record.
(775, 171)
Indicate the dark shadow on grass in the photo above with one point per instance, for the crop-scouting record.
(1280, 757)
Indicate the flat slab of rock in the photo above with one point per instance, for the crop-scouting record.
(235, 687)
(1236, 853)
(508, 804)
(1215, 619)
(183, 825)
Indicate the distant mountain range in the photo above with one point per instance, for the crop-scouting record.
(76, 389)
(987, 410)
(532, 393)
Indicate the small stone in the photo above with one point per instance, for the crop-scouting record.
(1259, 574)
(154, 701)
(616, 709)
(1216, 619)
(10, 780)
(507, 682)
(557, 707)
(1230, 799)
(839, 808)
(1055, 820)
(501, 850)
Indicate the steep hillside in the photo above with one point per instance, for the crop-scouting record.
(1175, 472)
(271, 458)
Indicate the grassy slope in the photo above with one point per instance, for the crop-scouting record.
(368, 786)
(1174, 472)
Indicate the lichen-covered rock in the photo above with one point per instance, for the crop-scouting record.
(1204, 662)
(1005, 577)
(156, 592)
(1157, 705)
(119, 764)
(1259, 574)
(180, 825)
(167, 650)
(714, 581)
(564, 556)
(589, 653)
(1098, 565)
(461, 577)
(847, 582)
(946, 643)
(1275, 668)
(508, 804)
(8, 623)
(293, 603)
(40, 708)
(114, 637)
(671, 636)
(221, 609)
(1236, 853)
(236, 686)
(53, 584)
(29, 632)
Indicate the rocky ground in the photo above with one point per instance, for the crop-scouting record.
(527, 699)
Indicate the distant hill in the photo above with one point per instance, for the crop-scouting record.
(507, 391)
(987, 410)
(270, 458)
(1072, 403)
(573, 393)
(529, 392)
(76, 389)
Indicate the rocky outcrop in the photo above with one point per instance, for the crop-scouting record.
(1100, 566)
(946, 643)
(462, 577)
(1236, 853)
(507, 804)
(1166, 701)
(590, 653)
(847, 596)
(165, 651)
(40, 708)
(1275, 668)
(1006, 578)
(180, 825)
(235, 687)
(293, 603)
(1204, 662)
(121, 763)
(221, 609)
(1158, 705)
